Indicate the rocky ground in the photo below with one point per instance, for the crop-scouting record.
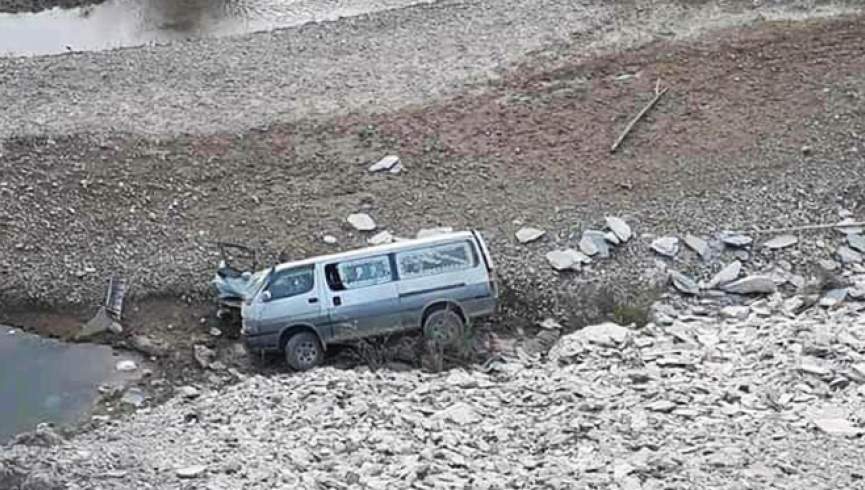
(708, 395)
(17, 6)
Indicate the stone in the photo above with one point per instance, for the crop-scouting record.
(619, 228)
(837, 427)
(215, 332)
(126, 365)
(684, 283)
(698, 245)
(828, 265)
(782, 241)
(188, 392)
(848, 226)
(602, 245)
(833, 297)
(387, 163)
(329, 239)
(751, 285)
(361, 222)
(728, 274)
(607, 333)
(191, 471)
(612, 238)
(134, 397)
(667, 246)
(736, 240)
(527, 234)
(569, 259)
(203, 356)
(550, 324)
(431, 232)
(736, 312)
(856, 242)
(848, 255)
(381, 238)
(459, 413)
(811, 367)
(663, 406)
(588, 246)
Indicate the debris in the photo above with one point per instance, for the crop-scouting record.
(526, 235)
(381, 238)
(430, 232)
(698, 245)
(667, 246)
(684, 283)
(191, 471)
(729, 273)
(856, 242)
(751, 285)
(568, 259)
(848, 255)
(126, 365)
(781, 241)
(389, 163)
(619, 227)
(658, 94)
(361, 222)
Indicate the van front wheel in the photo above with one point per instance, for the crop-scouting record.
(444, 326)
(303, 351)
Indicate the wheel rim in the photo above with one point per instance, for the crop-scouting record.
(306, 353)
(443, 329)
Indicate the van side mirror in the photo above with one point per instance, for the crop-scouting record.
(265, 296)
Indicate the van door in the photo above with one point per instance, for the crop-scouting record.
(290, 297)
(363, 300)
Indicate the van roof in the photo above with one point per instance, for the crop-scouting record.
(378, 249)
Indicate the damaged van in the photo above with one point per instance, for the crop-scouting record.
(436, 284)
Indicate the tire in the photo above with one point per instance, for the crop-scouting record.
(303, 351)
(444, 326)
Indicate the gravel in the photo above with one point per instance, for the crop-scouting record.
(769, 399)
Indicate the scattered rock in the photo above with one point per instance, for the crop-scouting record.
(430, 232)
(550, 324)
(737, 312)
(526, 235)
(619, 227)
(847, 226)
(838, 427)
(126, 365)
(608, 334)
(189, 392)
(684, 283)
(667, 246)
(191, 471)
(381, 238)
(663, 406)
(698, 245)
(751, 285)
(833, 297)
(389, 163)
(203, 356)
(147, 346)
(601, 244)
(134, 397)
(329, 239)
(569, 259)
(215, 332)
(856, 242)
(361, 222)
(782, 241)
(588, 246)
(736, 239)
(848, 255)
(728, 274)
(459, 413)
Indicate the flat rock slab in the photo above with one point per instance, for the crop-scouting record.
(458, 413)
(388, 163)
(361, 222)
(126, 365)
(430, 232)
(684, 283)
(528, 234)
(848, 255)
(698, 245)
(191, 471)
(833, 297)
(751, 285)
(856, 242)
(848, 226)
(782, 241)
(381, 238)
(607, 333)
(619, 227)
(838, 427)
(729, 273)
(568, 259)
(667, 246)
(736, 239)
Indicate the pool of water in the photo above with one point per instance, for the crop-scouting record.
(118, 23)
(45, 380)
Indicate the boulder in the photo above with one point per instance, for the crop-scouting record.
(528, 234)
(619, 227)
(188, 392)
(667, 246)
(736, 312)
(134, 397)
(848, 226)
(751, 285)
(361, 222)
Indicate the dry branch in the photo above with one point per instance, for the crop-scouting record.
(658, 94)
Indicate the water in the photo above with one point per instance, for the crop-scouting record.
(119, 23)
(45, 380)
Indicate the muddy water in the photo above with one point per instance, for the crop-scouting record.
(44, 380)
(119, 23)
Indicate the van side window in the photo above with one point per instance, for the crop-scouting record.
(436, 259)
(291, 282)
(359, 273)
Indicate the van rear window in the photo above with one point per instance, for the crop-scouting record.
(436, 259)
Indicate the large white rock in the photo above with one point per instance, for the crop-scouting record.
(388, 163)
(528, 234)
(381, 238)
(126, 365)
(361, 222)
(619, 227)
(569, 259)
(667, 246)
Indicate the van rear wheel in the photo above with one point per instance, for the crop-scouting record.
(444, 326)
(303, 351)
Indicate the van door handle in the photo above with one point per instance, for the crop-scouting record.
(313, 300)
(337, 301)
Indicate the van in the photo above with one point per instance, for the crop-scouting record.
(436, 285)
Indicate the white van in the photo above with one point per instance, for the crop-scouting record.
(437, 284)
